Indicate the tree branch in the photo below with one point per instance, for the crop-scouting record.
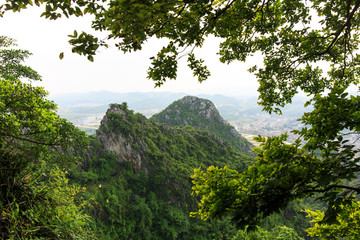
(336, 34)
(52, 143)
(355, 189)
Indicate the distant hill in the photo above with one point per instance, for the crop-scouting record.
(229, 107)
(135, 100)
(202, 114)
(86, 109)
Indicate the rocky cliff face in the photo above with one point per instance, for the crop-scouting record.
(202, 114)
(203, 107)
(121, 143)
(190, 111)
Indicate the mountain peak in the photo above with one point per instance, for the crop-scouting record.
(202, 114)
(204, 107)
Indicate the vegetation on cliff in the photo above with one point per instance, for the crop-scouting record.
(142, 191)
(202, 114)
(145, 192)
(36, 148)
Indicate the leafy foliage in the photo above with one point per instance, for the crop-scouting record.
(292, 36)
(281, 233)
(282, 173)
(327, 161)
(293, 217)
(346, 226)
(35, 146)
(11, 62)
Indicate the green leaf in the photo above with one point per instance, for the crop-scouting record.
(90, 58)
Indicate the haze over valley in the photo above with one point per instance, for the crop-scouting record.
(86, 110)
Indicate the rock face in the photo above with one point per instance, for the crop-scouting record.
(203, 107)
(190, 111)
(121, 143)
(202, 114)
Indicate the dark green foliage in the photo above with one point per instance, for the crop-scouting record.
(293, 216)
(279, 233)
(36, 148)
(102, 168)
(130, 204)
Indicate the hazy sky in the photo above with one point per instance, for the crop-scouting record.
(113, 70)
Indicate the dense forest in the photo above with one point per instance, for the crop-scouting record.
(142, 190)
(139, 182)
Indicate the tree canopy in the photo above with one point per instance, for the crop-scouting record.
(35, 146)
(292, 36)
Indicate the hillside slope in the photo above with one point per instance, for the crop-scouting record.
(138, 178)
(203, 115)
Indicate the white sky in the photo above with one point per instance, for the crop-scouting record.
(113, 70)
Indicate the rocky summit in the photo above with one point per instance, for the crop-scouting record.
(202, 114)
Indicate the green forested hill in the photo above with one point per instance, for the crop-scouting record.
(138, 182)
(202, 114)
